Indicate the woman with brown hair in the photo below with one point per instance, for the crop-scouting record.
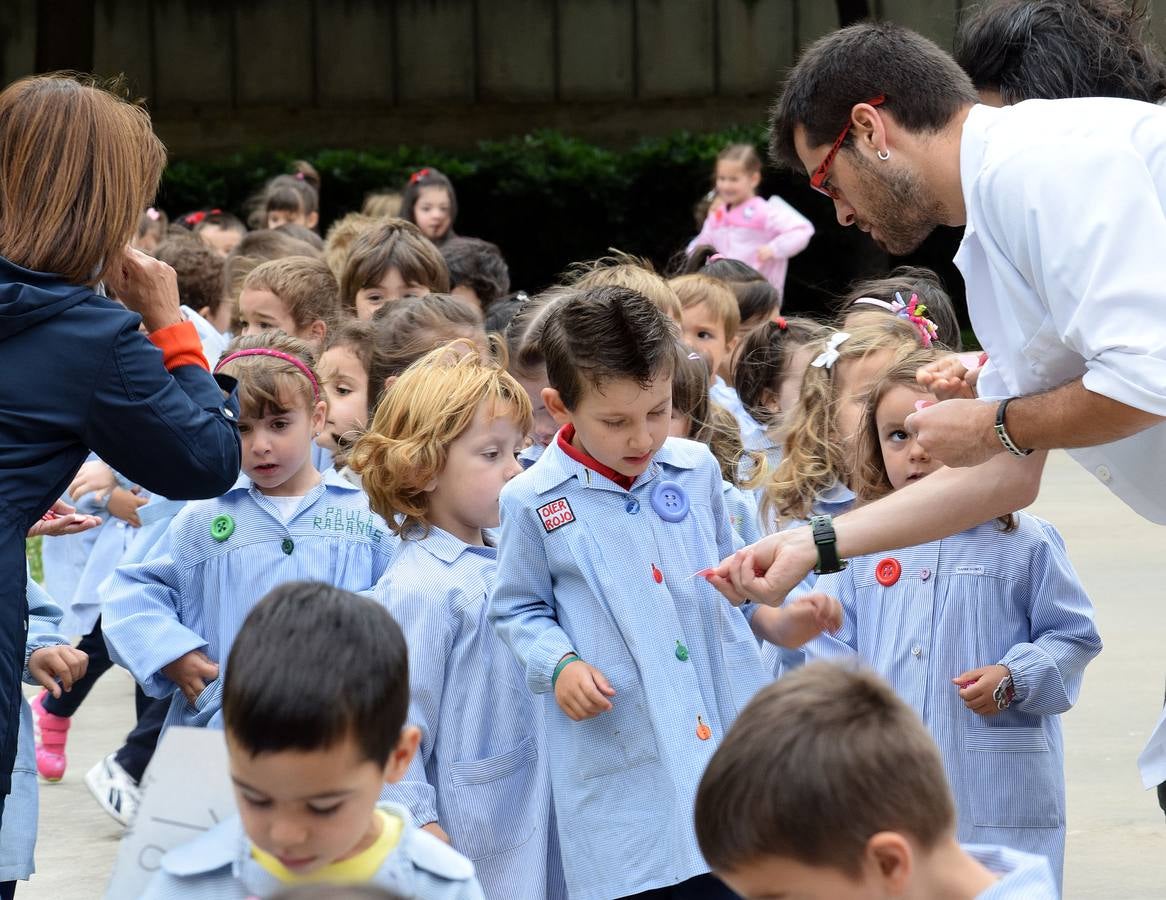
(77, 374)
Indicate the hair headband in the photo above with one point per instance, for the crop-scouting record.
(913, 312)
(277, 354)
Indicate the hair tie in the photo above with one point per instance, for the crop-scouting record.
(299, 176)
(829, 356)
(153, 215)
(715, 257)
(418, 175)
(216, 212)
(781, 323)
(195, 218)
(913, 312)
(277, 354)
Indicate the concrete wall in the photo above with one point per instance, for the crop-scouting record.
(220, 74)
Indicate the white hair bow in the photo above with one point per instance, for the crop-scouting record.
(829, 356)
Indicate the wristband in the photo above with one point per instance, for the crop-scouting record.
(826, 542)
(563, 663)
(1002, 432)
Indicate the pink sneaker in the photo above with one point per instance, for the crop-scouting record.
(50, 733)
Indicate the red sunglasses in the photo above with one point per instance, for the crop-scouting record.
(818, 179)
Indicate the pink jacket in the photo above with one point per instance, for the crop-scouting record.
(739, 232)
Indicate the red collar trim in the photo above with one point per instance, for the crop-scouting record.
(566, 435)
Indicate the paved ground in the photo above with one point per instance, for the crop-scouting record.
(1117, 837)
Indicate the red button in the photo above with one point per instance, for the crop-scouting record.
(888, 571)
(657, 574)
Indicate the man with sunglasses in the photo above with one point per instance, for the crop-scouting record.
(1064, 259)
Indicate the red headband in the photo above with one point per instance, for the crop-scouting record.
(278, 354)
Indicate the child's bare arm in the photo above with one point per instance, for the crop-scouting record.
(797, 621)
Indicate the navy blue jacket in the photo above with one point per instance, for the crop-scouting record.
(77, 375)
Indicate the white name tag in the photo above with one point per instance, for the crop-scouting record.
(969, 570)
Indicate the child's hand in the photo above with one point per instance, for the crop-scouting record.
(437, 831)
(191, 672)
(95, 478)
(949, 379)
(764, 253)
(64, 663)
(807, 617)
(582, 691)
(978, 686)
(124, 505)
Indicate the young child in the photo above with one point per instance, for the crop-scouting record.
(768, 368)
(758, 300)
(382, 204)
(291, 198)
(171, 619)
(840, 744)
(641, 666)
(764, 234)
(341, 234)
(985, 634)
(296, 295)
(696, 417)
(477, 271)
(428, 201)
(314, 708)
(627, 271)
(52, 663)
(200, 288)
(388, 262)
(220, 231)
(440, 449)
(526, 363)
(151, 230)
(912, 294)
(815, 471)
(346, 376)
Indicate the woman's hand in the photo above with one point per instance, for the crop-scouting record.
(147, 286)
(63, 519)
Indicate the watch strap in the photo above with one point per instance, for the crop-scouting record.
(826, 541)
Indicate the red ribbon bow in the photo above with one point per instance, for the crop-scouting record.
(418, 175)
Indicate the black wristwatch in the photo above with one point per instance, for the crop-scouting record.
(826, 541)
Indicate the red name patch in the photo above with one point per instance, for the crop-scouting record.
(556, 514)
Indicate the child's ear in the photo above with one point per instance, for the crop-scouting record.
(205, 312)
(754, 179)
(316, 332)
(555, 406)
(319, 416)
(770, 400)
(390, 381)
(312, 218)
(402, 754)
(890, 861)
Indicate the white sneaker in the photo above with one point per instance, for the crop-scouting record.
(114, 789)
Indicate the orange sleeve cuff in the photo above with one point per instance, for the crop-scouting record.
(180, 346)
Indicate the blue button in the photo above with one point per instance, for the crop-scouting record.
(670, 501)
(632, 506)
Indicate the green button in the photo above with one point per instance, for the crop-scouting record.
(222, 528)
(287, 546)
(681, 652)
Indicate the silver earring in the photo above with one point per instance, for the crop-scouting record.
(884, 155)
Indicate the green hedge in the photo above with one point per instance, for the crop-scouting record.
(548, 200)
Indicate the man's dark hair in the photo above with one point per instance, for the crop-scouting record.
(1053, 49)
(313, 665)
(783, 781)
(923, 86)
(478, 265)
(601, 334)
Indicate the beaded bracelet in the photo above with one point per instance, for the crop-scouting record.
(563, 663)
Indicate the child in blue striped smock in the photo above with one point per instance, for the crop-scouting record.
(442, 444)
(171, 619)
(986, 634)
(640, 665)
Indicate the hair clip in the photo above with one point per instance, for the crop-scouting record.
(695, 356)
(781, 323)
(194, 218)
(215, 212)
(153, 215)
(715, 258)
(829, 356)
(299, 176)
(418, 175)
(913, 312)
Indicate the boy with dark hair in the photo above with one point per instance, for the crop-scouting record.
(316, 693)
(642, 666)
(775, 812)
(477, 271)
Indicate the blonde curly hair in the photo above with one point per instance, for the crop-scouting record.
(430, 406)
